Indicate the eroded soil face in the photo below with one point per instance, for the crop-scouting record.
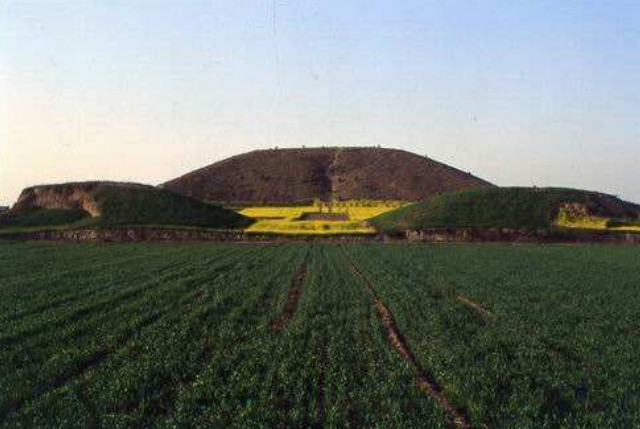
(59, 197)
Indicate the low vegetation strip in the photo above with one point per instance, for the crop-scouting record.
(179, 234)
(295, 292)
(426, 382)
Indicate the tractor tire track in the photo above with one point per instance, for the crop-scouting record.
(475, 305)
(564, 353)
(94, 417)
(187, 381)
(295, 292)
(471, 303)
(426, 382)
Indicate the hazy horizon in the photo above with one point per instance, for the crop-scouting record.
(541, 93)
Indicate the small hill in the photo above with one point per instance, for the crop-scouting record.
(518, 208)
(285, 176)
(115, 204)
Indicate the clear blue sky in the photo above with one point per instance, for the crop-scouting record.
(519, 93)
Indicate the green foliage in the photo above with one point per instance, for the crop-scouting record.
(621, 223)
(518, 208)
(126, 205)
(42, 217)
(152, 206)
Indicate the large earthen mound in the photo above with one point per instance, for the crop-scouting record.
(294, 175)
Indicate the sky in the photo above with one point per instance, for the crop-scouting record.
(542, 92)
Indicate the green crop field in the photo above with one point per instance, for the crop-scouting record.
(263, 336)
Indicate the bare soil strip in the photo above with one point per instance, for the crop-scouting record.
(295, 292)
(481, 310)
(426, 382)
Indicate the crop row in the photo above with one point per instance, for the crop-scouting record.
(168, 335)
(559, 350)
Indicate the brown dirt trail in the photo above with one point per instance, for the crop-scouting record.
(295, 292)
(475, 305)
(427, 384)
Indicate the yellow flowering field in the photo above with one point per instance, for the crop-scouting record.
(286, 219)
(566, 220)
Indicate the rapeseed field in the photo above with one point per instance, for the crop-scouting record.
(287, 219)
(566, 220)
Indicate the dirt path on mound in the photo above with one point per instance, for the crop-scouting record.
(428, 385)
(297, 284)
(334, 181)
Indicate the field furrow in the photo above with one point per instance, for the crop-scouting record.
(547, 349)
(475, 305)
(297, 284)
(426, 381)
(380, 336)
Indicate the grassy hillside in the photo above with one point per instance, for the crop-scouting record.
(151, 206)
(95, 204)
(42, 217)
(520, 208)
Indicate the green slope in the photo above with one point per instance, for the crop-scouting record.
(127, 205)
(518, 208)
(152, 206)
(42, 217)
